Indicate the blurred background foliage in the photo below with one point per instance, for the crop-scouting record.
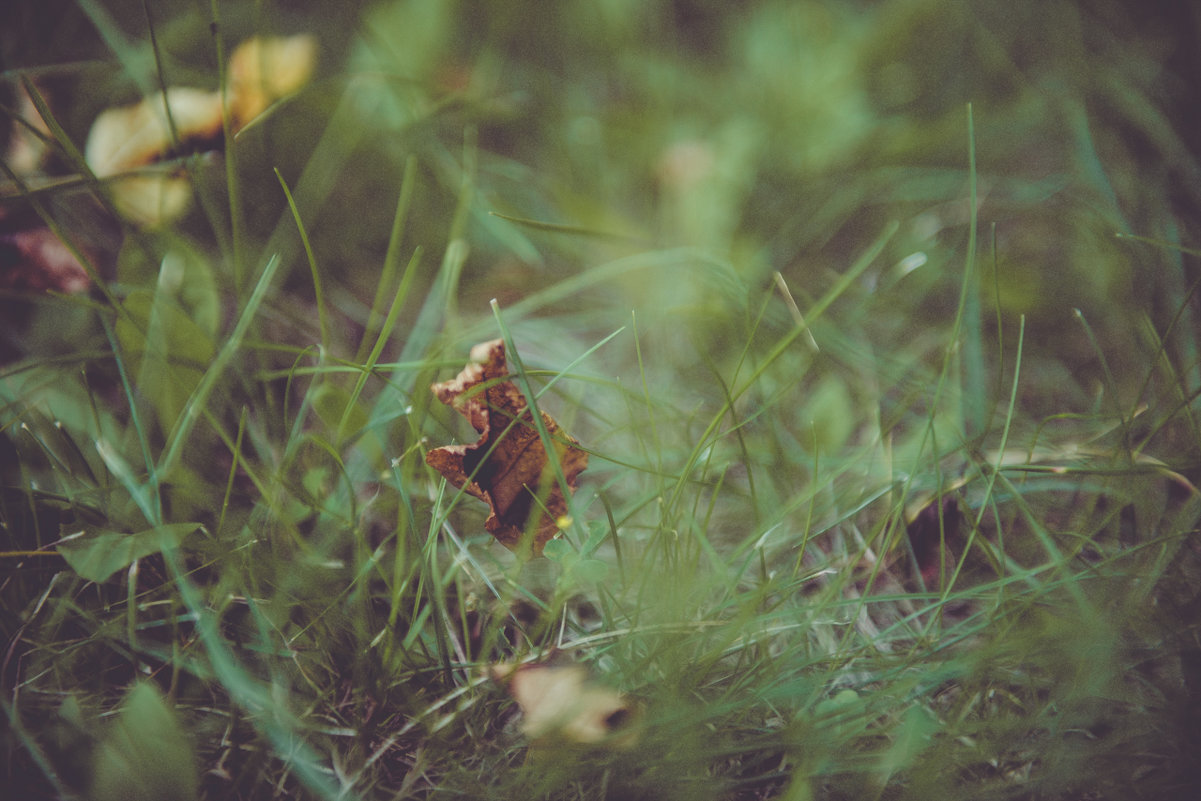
(779, 135)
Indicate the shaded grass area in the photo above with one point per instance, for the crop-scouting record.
(890, 402)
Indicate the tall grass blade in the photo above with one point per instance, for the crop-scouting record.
(191, 413)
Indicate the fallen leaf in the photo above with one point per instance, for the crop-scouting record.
(33, 258)
(515, 478)
(562, 703)
(129, 137)
(265, 69)
(261, 71)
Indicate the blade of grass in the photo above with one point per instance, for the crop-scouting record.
(646, 395)
(172, 129)
(183, 428)
(132, 58)
(794, 310)
(135, 419)
(266, 714)
(439, 310)
(1160, 244)
(384, 334)
(319, 294)
(324, 168)
(233, 184)
(235, 460)
(387, 276)
(815, 312)
(531, 397)
(141, 494)
(570, 230)
(31, 746)
(1111, 387)
(973, 393)
(994, 471)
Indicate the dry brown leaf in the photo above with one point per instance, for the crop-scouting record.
(563, 703)
(516, 479)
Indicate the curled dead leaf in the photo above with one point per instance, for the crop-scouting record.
(126, 138)
(563, 703)
(261, 71)
(508, 468)
(134, 136)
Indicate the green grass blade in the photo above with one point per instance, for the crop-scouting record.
(318, 292)
(391, 261)
(191, 413)
(969, 317)
(384, 334)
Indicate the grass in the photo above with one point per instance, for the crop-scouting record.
(877, 325)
